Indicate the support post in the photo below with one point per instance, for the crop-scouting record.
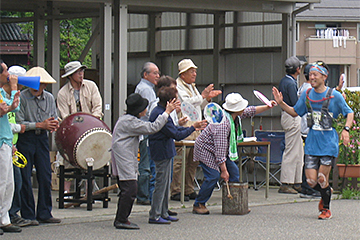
(39, 38)
(120, 59)
(105, 59)
(219, 43)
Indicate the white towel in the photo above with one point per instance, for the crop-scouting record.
(335, 42)
(340, 40)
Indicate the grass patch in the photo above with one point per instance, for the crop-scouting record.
(350, 193)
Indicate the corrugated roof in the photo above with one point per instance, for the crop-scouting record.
(11, 32)
(331, 10)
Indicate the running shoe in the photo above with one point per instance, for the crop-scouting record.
(325, 214)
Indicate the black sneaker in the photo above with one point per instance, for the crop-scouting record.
(171, 213)
(11, 228)
(310, 194)
(192, 195)
(146, 202)
(176, 197)
(127, 225)
(20, 222)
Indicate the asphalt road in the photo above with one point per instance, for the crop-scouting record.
(296, 220)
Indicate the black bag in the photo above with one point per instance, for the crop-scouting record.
(326, 119)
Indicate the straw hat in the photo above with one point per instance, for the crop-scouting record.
(136, 104)
(45, 77)
(17, 70)
(72, 67)
(185, 65)
(234, 102)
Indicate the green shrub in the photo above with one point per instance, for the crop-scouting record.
(350, 154)
(350, 193)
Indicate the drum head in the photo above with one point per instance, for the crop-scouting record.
(94, 143)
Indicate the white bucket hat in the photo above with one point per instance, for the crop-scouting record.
(72, 67)
(185, 65)
(17, 70)
(45, 77)
(234, 102)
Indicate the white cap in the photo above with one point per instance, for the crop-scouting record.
(234, 102)
(185, 65)
(17, 70)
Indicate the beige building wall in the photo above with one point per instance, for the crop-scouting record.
(314, 49)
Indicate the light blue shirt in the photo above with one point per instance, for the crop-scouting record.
(6, 134)
(147, 90)
(322, 142)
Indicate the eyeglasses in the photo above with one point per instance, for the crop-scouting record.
(156, 73)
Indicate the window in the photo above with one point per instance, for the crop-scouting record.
(358, 33)
(297, 32)
(328, 30)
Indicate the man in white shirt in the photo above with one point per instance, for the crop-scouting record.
(187, 92)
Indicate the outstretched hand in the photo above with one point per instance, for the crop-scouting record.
(15, 102)
(273, 103)
(210, 93)
(182, 121)
(171, 105)
(4, 109)
(200, 125)
(277, 95)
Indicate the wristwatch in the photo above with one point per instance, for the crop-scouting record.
(346, 128)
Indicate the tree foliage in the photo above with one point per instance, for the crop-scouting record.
(74, 35)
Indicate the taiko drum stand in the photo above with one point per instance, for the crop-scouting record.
(89, 175)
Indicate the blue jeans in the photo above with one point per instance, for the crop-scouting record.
(144, 171)
(211, 177)
(16, 203)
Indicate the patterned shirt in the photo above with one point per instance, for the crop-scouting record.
(212, 146)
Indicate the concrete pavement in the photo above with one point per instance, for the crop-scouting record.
(281, 216)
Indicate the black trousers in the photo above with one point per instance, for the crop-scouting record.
(35, 147)
(127, 195)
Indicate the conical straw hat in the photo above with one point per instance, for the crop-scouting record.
(45, 77)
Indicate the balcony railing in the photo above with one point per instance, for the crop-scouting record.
(335, 50)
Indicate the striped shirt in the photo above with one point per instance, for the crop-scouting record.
(212, 146)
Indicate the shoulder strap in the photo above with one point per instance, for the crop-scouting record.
(326, 103)
(307, 102)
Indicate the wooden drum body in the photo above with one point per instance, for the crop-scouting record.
(81, 136)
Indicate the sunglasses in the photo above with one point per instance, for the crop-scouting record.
(320, 63)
